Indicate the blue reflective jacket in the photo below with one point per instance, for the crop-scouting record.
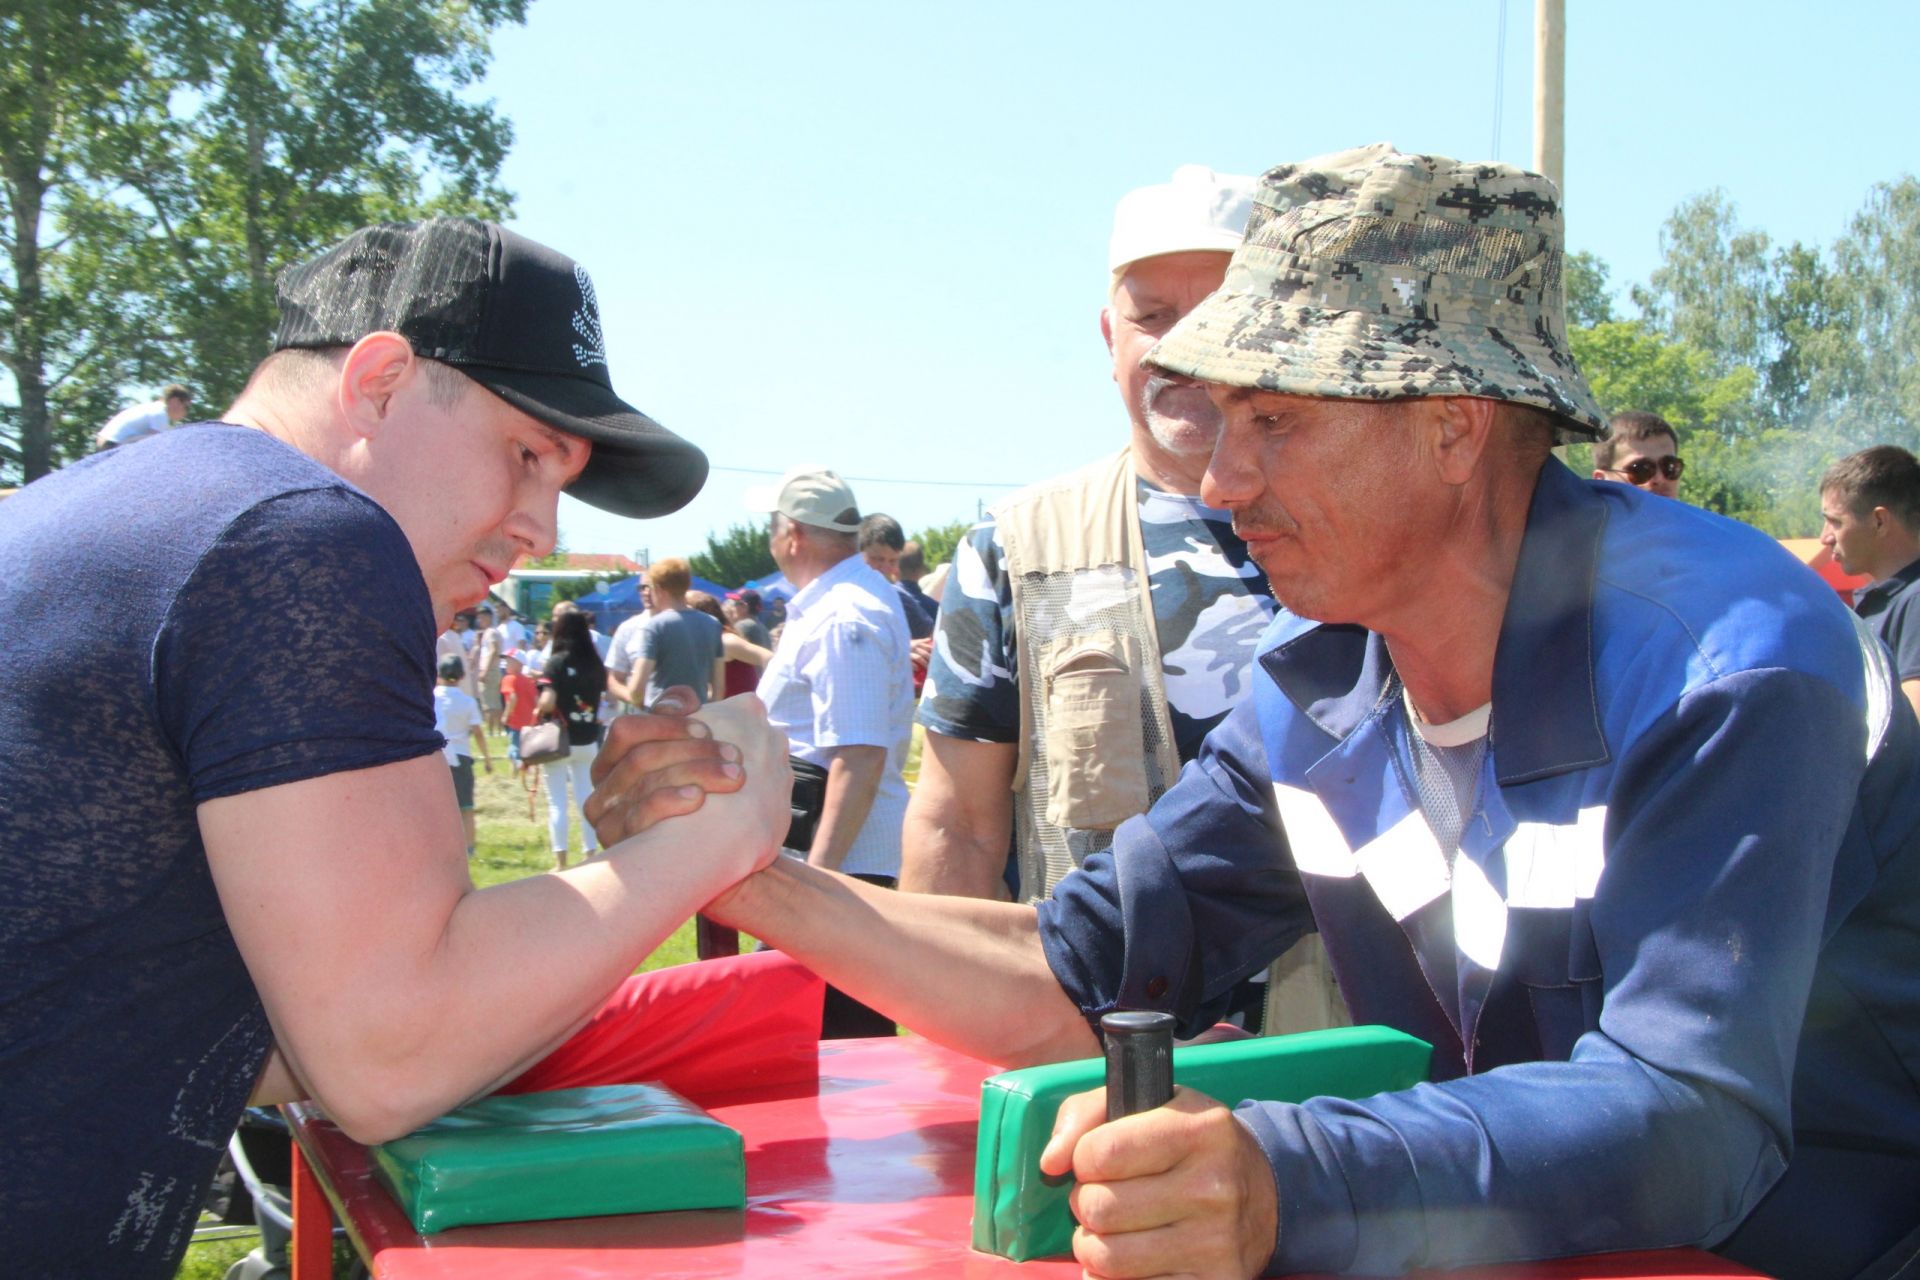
(1681, 935)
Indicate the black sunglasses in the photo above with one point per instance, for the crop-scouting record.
(1641, 470)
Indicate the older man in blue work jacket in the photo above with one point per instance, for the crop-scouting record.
(1604, 796)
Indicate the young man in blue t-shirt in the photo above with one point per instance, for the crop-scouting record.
(233, 868)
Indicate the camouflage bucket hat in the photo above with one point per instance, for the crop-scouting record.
(1371, 274)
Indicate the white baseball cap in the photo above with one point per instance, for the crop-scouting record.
(1199, 209)
(810, 495)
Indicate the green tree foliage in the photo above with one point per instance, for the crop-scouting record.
(1710, 289)
(1589, 296)
(1771, 361)
(163, 162)
(938, 541)
(739, 555)
(78, 95)
(1865, 366)
(574, 588)
(1629, 366)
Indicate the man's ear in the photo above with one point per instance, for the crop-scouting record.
(375, 370)
(1461, 427)
(1106, 328)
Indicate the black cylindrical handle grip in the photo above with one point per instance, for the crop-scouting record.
(1139, 1062)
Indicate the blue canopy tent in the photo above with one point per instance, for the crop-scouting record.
(614, 603)
(773, 587)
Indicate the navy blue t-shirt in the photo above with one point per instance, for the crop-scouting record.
(196, 615)
(1891, 607)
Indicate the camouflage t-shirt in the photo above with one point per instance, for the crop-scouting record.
(1210, 606)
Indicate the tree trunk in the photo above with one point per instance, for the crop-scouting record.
(256, 86)
(27, 189)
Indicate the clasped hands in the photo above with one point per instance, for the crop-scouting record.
(674, 758)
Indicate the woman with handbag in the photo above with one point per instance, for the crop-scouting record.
(571, 683)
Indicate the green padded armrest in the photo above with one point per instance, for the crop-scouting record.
(1018, 1216)
(571, 1153)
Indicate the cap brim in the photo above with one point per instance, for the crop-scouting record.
(1146, 247)
(1244, 340)
(638, 467)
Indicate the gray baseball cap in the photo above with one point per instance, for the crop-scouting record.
(809, 495)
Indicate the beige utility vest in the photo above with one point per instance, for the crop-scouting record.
(1096, 742)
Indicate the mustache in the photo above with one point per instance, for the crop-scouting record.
(1266, 521)
(1157, 384)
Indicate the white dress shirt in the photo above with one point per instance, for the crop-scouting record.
(842, 677)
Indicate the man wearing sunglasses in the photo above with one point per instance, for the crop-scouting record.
(1642, 450)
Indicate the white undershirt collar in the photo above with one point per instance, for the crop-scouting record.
(1454, 733)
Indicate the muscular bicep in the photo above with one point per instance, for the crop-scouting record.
(960, 822)
(334, 887)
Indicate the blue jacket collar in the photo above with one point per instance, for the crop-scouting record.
(1543, 670)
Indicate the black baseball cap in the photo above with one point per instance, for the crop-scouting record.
(517, 318)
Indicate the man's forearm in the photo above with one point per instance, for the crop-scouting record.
(853, 779)
(941, 854)
(396, 989)
(967, 973)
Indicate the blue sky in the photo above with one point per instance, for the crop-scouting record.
(873, 235)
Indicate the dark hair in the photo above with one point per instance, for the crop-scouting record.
(1883, 476)
(452, 668)
(312, 370)
(706, 604)
(175, 391)
(573, 646)
(1634, 425)
(881, 529)
(913, 560)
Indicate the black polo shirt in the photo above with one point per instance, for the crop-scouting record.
(1891, 607)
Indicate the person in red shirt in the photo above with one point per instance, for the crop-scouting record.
(518, 693)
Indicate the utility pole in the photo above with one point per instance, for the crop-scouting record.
(1549, 92)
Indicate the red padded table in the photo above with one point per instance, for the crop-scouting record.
(869, 1174)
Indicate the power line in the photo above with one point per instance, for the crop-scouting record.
(958, 484)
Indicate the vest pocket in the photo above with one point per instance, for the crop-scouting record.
(1096, 749)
